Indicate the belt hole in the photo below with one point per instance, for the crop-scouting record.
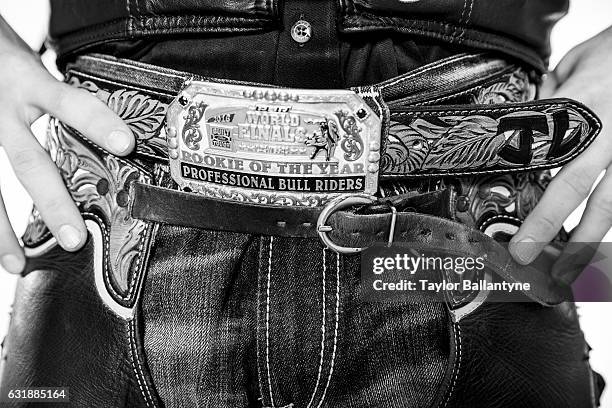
(450, 236)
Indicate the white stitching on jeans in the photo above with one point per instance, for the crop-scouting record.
(258, 344)
(140, 367)
(458, 366)
(314, 393)
(268, 321)
(134, 353)
(333, 359)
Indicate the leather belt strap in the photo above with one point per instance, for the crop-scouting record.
(423, 232)
(193, 210)
(168, 206)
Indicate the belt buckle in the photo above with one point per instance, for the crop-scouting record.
(337, 204)
(340, 203)
(272, 146)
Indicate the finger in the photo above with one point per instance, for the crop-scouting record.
(41, 179)
(89, 115)
(568, 64)
(597, 218)
(588, 53)
(574, 88)
(593, 227)
(11, 255)
(564, 194)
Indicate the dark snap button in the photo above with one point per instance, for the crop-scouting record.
(463, 203)
(301, 31)
(103, 186)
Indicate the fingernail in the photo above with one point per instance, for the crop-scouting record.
(13, 264)
(69, 237)
(119, 141)
(524, 251)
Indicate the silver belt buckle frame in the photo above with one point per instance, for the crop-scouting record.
(273, 146)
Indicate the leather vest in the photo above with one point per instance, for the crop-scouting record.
(519, 28)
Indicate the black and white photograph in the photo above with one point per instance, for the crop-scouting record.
(306, 203)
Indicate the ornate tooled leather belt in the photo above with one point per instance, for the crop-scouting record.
(300, 147)
(276, 161)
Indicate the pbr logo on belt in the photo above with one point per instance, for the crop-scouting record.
(272, 145)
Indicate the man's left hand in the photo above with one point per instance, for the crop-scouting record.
(584, 74)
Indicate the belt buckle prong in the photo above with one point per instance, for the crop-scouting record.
(392, 226)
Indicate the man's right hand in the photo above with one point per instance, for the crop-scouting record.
(28, 91)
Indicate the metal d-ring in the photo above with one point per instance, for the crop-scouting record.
(334, 205)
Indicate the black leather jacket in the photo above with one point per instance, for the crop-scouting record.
(520, 28)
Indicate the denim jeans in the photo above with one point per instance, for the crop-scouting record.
(276, 320)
